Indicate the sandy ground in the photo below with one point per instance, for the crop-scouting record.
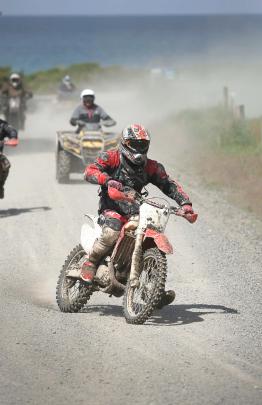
(204, 349)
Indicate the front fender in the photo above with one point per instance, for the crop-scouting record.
(160, 240)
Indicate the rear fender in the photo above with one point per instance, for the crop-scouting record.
(68, 141)
(90, 231)
(158, 239)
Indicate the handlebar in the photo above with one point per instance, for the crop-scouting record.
(175, 210)
(180, 213)
(130, 195)
(81, 123)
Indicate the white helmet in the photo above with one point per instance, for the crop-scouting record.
(15, 76)
(67, 79)
(15, 79)
(87, 92)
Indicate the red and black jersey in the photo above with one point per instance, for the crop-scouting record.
(112, 165)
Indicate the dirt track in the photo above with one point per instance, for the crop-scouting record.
(204, 349)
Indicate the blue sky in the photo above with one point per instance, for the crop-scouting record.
(109, 7)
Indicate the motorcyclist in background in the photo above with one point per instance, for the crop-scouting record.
(6, 131)
(90, 113)
(15, 88)
(126, 166)
(66, 87)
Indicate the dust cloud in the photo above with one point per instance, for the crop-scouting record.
(150, 100)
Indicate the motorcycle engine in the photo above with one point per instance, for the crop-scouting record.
(103, 275)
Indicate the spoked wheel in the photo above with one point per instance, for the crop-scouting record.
(139, 303)
(72, 294)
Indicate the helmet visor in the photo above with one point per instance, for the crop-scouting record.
(138, 146)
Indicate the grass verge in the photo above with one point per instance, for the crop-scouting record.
(224, 152)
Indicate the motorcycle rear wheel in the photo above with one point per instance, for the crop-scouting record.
(14, 120)
(72, 294)
(139, 303)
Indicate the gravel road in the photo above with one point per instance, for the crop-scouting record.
(204, 349)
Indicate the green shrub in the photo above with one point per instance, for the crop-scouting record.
(217, 126)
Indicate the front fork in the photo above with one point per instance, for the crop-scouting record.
(136, 259)
(160, 241)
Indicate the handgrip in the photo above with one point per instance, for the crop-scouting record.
(191, 217)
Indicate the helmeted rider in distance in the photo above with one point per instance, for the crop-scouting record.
(126, 166)
(15, 88)
(66, 88)
(6, 131)
(90, 113)
(66, 85)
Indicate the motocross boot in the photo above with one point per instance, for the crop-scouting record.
(88, 272)
(167, 298)
(101, 247)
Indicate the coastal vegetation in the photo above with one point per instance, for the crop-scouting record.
(225, 152)
(46, 81)
(223, 149)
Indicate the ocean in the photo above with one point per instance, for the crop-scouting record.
(37, 43)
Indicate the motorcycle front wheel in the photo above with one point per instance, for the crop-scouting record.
(140, 302)
(72, 294)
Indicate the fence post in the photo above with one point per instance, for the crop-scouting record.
(260, 140)
(242, 114)
(226, 97)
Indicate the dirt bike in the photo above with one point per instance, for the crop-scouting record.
(137, 265)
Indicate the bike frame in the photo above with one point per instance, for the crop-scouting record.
(151, 224)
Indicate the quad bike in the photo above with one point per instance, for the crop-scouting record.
(137, 266)
(75, 150)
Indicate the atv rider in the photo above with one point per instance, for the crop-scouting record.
(90, 113)
(127, 166)
(6, 131)
(15, 88)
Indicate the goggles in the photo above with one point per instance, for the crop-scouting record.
(88, 99)
(138, 146)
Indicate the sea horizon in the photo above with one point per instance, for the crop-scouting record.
(135, 15)
(41, 42)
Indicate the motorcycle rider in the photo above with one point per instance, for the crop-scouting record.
(6, 131)
(66, 86)
(126, 166)
(90, 113)
(15, 88)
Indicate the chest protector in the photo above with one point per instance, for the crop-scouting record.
(133, 176)
(130, 176)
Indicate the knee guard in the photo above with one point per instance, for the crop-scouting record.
(109, 236)
(103, 244)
